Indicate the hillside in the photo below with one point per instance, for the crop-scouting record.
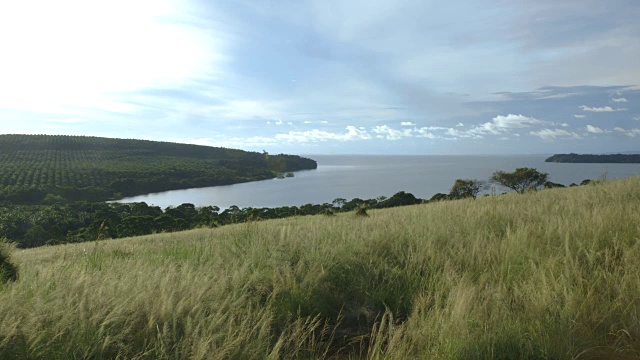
(92, 168)
(546, 275)
(590, 158)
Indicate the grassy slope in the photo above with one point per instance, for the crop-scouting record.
(554, 274)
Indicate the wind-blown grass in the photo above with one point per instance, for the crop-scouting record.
(553, 274)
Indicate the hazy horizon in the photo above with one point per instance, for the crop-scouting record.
(330, 77)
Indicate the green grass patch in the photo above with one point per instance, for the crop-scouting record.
(546, 275)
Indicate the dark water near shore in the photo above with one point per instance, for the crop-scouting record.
(370, 176)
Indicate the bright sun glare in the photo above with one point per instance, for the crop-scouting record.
(73, 53)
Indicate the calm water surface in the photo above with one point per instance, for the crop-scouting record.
(370, 176)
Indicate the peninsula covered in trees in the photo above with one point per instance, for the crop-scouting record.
(589, 158)
(38, 169)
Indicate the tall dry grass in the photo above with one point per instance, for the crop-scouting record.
(547, 275)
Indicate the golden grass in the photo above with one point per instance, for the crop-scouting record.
(553, 274)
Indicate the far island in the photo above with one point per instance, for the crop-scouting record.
(590, 158)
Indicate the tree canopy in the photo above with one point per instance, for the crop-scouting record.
(464, 188)
(521, 180)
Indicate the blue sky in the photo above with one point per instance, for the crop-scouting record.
(328, 77)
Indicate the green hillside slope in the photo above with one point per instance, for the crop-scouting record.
(92, 168)
(546, 275)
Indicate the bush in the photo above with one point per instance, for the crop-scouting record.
(439, 197)
(398, 199)
(551, 185)
(8, 271)
(362, 211)
(464, 188)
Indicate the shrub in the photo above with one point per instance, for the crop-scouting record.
(551, 185)
(464, 188)
(439, 197)
(362, 211)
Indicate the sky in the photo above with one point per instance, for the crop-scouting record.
(328, 76)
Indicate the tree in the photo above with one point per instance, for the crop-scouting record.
(520, 180)
(399, 199)
(464, 188)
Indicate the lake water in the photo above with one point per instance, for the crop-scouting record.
(371, 176)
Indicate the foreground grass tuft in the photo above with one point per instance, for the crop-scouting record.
(546, 275)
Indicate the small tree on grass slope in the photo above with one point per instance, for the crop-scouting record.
(520, 180)
(464, 188)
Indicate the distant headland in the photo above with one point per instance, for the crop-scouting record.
(591, 158)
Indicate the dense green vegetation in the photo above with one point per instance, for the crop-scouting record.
(38, 169)
(71, 222)
(587, 158)
(552, 274)
(37, 225)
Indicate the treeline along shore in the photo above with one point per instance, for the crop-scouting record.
(590, 158)
(51, 224)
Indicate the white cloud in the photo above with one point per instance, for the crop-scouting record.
(307, 122)
(564, 125)
(425, 132)
(630, 132)
(391, 134)
(289, 123)
(75, 56)
(324, 122)
(460, 125)
(66, 121)
(234, 142)
(619, 100)
(279, 122)
(579, 116)
(316, 135)
(464, 134)
(600, 109)
(633, 132)
(636, 118)
(407, 123)
(245, 109)
(594, 129)
(502, 123)
(551, 134)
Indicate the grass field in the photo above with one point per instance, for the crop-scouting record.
(547, 275)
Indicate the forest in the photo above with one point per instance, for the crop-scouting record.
(37, 225)
(589, 158)
(47, 169)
